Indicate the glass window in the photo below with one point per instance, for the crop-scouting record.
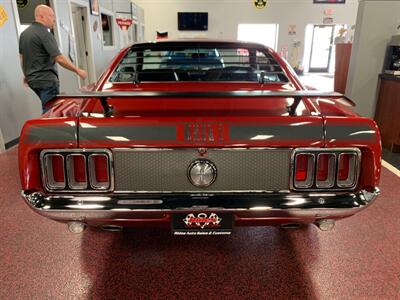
(204, 63)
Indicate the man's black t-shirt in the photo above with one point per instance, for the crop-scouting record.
(39, 48)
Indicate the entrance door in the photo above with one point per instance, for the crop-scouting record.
(321, 48)
(82, 51)
(266, 34)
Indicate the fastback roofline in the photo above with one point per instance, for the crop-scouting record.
(297, 95)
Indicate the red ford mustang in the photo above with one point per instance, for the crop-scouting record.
(201, 136)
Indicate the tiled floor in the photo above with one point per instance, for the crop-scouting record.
(391, 158)
(319, 81)
(40, 259)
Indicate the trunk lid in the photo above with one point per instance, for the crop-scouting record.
(201, 122)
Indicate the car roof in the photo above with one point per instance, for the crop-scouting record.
(199, 42)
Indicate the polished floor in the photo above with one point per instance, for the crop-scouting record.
(41, 259)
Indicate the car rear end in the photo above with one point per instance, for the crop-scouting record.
(203, 174)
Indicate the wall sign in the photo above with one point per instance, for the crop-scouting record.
(260, 3)
(94, 7)
(292, 30)
(327, 20)
(95, 25)
(124, 24)
(3, 16)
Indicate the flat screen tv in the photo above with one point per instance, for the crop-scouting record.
(192, 21)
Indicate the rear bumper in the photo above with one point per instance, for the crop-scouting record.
(158, 208)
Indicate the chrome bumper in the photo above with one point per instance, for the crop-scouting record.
(251, 206)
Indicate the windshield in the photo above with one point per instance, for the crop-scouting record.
(198, 63)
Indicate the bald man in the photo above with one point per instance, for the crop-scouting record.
(38, 51)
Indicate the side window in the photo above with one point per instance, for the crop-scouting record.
(107, 28)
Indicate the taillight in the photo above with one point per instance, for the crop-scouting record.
(99, 171)
(323, 168)
(76, 169)
(53, 168)
(326, 170)
(304, 174)
(346, 170)
(72, 170)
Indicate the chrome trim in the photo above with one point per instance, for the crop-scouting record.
(45, 175)
(310, 174)
(355, 172)
(357, 151)
(83, 151)
(330, 181)
(91, 207)
(199, 148)
(199, 192)
(207, 162)
(139, 202)
(92, 173)
(72, 184)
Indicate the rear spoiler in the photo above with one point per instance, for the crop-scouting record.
(297, 95)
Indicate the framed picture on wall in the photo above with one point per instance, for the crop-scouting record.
(330, 1)
(94, 7)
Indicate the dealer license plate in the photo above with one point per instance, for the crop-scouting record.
(207, 223)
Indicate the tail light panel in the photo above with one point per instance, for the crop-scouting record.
(99, 171)
(77, 170)
(53, 168)
(304, 175)
(333, 169)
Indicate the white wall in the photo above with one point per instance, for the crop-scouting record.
(225, 15)
(376, 23)
(17, 102)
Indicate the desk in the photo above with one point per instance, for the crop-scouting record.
(342, 62)
(387, 113)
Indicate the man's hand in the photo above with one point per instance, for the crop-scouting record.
(66, 63)
(82, 73)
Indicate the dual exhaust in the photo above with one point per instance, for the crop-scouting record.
(79, 227)
(324, 225)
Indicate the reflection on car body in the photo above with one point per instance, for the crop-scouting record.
(200, 136)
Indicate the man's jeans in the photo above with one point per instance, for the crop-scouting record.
(46, 94)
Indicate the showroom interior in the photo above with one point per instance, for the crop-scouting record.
(351, 47)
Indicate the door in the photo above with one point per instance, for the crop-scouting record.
(266, 34)
(321, 48)
(82, 52)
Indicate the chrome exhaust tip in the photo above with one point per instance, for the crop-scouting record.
(113, 228)
(325, 225)
(76, 227)
(291, 226)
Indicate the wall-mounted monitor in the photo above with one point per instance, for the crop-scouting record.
(192, 21)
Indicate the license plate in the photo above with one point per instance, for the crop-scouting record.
(202, 224)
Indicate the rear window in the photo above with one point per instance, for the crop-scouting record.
(180, 63)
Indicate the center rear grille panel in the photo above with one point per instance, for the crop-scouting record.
(159, 170)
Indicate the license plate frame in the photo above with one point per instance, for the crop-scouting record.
(202, 223)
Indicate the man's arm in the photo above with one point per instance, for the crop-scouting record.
(21, 60)
(67, 64)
